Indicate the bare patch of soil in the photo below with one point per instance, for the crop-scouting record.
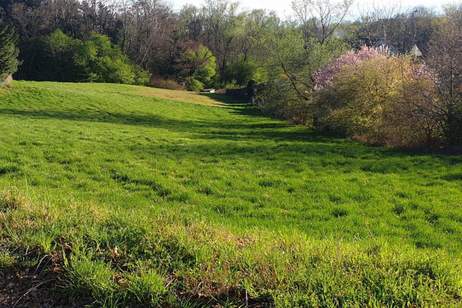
(26, 288)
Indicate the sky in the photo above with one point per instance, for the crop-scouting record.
(282, 7)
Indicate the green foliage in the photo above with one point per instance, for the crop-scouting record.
(62, 58)
(279, 99)
(241, 73)
(102, 62)
(58, 58)
(142, 77)
(193, 84)
(8, 51)
(198, 67)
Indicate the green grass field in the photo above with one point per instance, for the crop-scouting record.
(137, 196)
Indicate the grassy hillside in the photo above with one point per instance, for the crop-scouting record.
(130, 195)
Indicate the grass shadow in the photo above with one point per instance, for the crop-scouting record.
(239, 106)
(225, 129)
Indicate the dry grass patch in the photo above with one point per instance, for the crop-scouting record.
(178, 95)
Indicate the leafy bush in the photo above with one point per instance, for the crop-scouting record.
(381, 99)
(101, 62)
(193, 84)
(59, 57)
(240, 72)
(142, 77)
(279, 100)
(8, 51)
(50, 58)
(198, 67)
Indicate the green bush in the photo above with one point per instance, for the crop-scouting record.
(59, 57)
(279, 99)
(193, 84)
(198, 67)
(102, 62)
(142, 77)
(288, 76)
(240, 72)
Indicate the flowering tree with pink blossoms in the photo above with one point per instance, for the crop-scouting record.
(379, 98)
(324, 77)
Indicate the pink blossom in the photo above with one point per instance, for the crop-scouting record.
(422, 71)
(323, 77)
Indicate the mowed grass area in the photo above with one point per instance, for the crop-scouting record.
(138, 196)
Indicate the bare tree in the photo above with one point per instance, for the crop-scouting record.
(375, 22)
(322, 17)
(147, 26)
(220, 21)
(394, 27)
(445, 57)
(317, 19)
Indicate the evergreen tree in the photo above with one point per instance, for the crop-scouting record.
(8, 51)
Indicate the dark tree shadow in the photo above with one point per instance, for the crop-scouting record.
(228, 130)
(236, 105)
(233, 130)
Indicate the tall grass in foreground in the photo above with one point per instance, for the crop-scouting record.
(125, 196)
(129, 256)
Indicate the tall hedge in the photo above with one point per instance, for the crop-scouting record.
(8, 51)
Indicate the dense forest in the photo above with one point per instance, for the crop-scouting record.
(387, 76)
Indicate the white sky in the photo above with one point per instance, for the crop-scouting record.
(282, 7)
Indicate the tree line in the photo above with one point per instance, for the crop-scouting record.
(388, 77)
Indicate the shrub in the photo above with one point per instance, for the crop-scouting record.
(288, 83)
(59, 57)
(142, 77)
(240, 72)
(279, 100)
(197, 67)
(193, 84)
(50, 58)
(102, 62)
(386, 100)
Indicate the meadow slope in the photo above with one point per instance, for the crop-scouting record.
(130, 195)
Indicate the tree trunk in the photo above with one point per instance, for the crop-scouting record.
(7, 81)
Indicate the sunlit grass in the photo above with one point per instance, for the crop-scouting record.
(171, 197)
